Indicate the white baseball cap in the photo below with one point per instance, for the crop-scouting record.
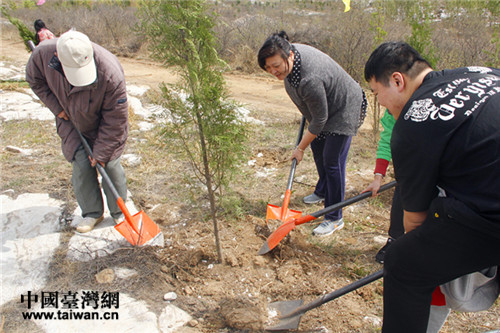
(76, 54)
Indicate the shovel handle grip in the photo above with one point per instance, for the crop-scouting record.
(294, 161)
(289, 184)
(342, 204)
(292, 174)
(301, 130)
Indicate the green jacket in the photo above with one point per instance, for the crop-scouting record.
(384, 144)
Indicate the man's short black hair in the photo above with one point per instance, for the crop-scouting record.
(393, 57)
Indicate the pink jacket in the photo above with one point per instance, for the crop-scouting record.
(99, 111)
(45, 34)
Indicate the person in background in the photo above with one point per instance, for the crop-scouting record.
(396, 228)
(334, 106)
(41, 32)
(445, 146)
(83, 85)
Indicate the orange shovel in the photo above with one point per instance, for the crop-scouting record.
(283, 213)
(275, 238)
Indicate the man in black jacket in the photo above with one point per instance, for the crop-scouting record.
(446, 152)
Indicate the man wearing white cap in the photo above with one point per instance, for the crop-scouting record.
(83, 84)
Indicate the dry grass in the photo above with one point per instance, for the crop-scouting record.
(242, 26)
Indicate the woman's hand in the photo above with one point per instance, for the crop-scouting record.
(298, 155)
(375, 185)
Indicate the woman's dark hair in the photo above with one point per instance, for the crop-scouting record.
(39, 24)
(393, 57)
(277, 43)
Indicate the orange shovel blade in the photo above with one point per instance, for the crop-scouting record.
(142, 231)
(278, 213)
(277, 236)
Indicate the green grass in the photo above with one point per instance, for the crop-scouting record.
(16, 183)
(27, 134)
(14, 85)
(376, 202)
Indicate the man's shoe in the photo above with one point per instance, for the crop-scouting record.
(313, 198)
(379, 257)
(88, 223)
(328, 227)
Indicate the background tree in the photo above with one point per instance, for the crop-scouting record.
(203, 119)
(494, 57)
(461, 32)
(419, 17)
(25, 34)
(379, 34)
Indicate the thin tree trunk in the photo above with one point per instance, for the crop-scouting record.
(211, 193)
(376, 118)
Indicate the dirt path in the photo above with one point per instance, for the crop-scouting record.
(260, 93)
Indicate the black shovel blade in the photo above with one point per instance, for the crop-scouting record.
(288, 323)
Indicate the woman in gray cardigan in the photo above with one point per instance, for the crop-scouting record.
(334, 106)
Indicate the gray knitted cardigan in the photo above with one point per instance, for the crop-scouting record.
(327, 96)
